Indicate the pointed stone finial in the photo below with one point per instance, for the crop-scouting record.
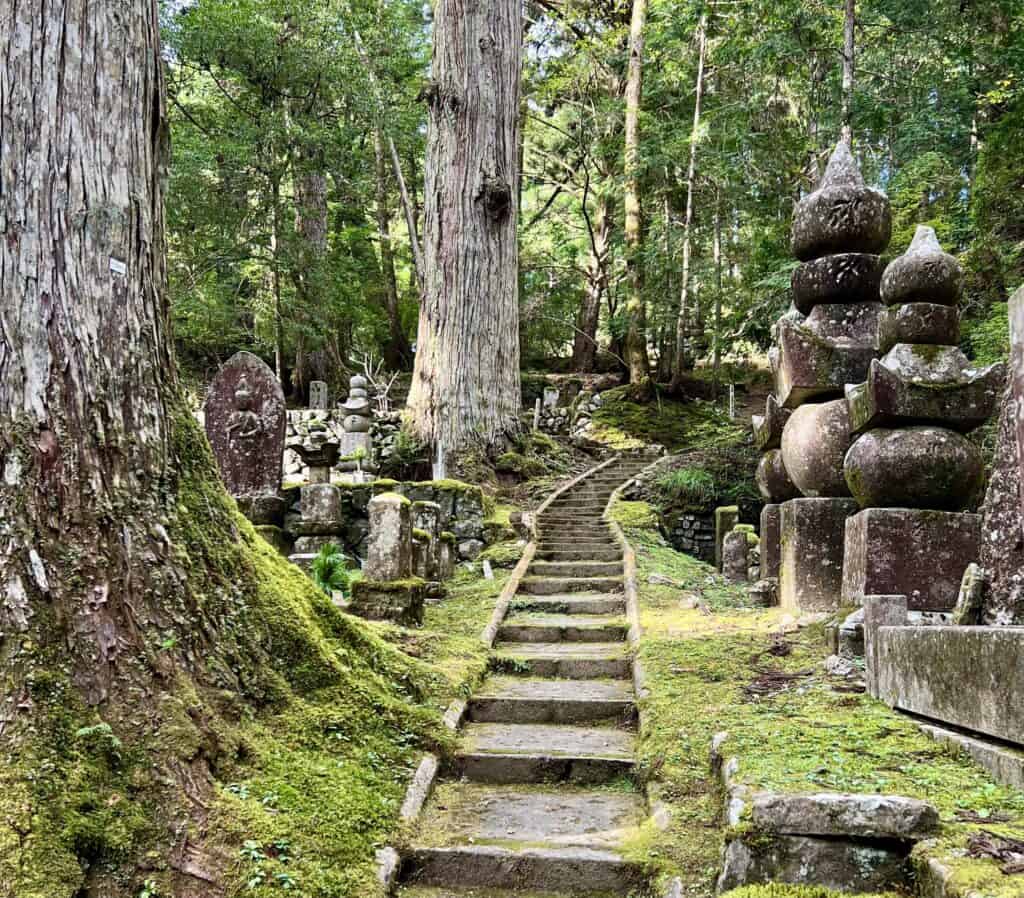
(924, 242)
(842, 168)
(923, 274)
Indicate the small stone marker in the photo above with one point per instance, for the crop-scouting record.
(488, 572)
(732, 402)
(735, 556)
(319, 395)
(389, 554)
(245, 422)
(551, 397)
(536, 415)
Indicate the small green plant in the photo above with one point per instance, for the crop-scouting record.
(330, 571)
(149, 890)
(690, 485)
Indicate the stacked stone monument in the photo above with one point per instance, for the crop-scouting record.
(828, 340)
(322, 519)
(911, 468)
(388, 590)
(244, 416)
(357, 440)
(775, 486)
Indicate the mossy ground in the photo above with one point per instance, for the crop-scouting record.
(812, 734)
(623, 423)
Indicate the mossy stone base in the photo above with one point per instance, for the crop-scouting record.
(275, 536)
(400, 601)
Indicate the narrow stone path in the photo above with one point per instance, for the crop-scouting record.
(541, 796)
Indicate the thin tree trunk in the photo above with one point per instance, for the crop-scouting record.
(683, 355)
(275, 278)
(396, 352)
(584, 348)
(409, 210)
(308, 274)
(465, 388)
(717, 252)
(636, 312)
(849, 23)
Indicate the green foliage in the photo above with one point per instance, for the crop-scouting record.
(786, 890)
(330, 572)
(408, 457)
(989, 338)
(691, 486)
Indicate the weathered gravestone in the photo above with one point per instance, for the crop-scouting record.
(319, 395)
(245, 423)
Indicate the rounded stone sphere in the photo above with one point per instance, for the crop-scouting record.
(773, 479)
(914, 467)
(814, 444)
(924, 273)
(837, 278)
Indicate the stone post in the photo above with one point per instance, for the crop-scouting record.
(319, 395)
(726, 517)
(736, 556)
(879, 611)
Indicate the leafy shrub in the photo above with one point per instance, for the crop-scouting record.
(330, 571)
(689, 485)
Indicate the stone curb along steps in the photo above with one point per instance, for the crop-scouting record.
(539, 796)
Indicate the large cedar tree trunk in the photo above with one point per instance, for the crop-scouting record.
(465, 387)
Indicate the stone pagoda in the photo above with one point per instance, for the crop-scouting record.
(357, 442)
(826, 341)
(911, 468)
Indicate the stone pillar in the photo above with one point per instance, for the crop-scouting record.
(726, 517)
(389, 555)
(812, 539)
(771, 522)
(427, 518)
(879, 611)
(736, 556)
(321, 522)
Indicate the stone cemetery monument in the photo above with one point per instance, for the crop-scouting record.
(245, 424)
(388, 589)
(357, 443)
(319, 395)
(911, 468)
(826, 341)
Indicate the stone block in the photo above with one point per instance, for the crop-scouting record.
(726, 517)
(265, 508)
(812, 536)
(919, 322)
(969, 677)
(847, 866)
(389, 552)
(839, 814)
(971, 598)
(913, 552)
(311, 545)
(321, 507)
(319, 395)
(771, 522)
(810, 366)
(879, 611)
(400, 601)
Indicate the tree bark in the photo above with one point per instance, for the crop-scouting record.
(849, 49)
(684, 356)
(465, 388)
(308, 274)
(584, 347)
(636, 312)
(716, 363)
(397, 352)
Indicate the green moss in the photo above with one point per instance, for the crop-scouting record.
(422, 535)
(633, 515)
(521, 465)
(455, 486)
(448, 537)
(392, 496)
(502, 555)
(785, 890)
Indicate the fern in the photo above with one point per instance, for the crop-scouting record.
(330, 571)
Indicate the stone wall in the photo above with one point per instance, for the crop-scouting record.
(691, 532)
(461, 513)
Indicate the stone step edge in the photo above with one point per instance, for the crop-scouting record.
(570, 870)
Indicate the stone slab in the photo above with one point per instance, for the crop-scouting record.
(576, 568)
(838, 864)
(919, 322)
(838, 814)
(771, 549)
(912, 552)
(492, 815)
(400, 601)
(571, 660)
(812, 538)
(969, 677)
(1016, 312)
(532, 700)
(545, 627)
(572, 603)
(540, 586)
(548, 739)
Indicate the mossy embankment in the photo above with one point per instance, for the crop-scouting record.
(268, 739)
(713, 665)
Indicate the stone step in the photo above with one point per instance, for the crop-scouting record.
(569, 660)
(546, 586)
(543, 753)
(535, 700)
(578, 554)
(571, 603)
(576, 872)
(577, 523)
(414, 891)
(576, 568)
(546, 627)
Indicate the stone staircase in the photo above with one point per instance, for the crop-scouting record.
(540, 797)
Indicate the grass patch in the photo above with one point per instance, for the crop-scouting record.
(699, 662)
